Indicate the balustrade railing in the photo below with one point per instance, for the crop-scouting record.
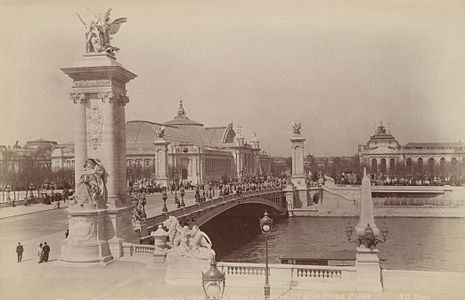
(151, 222)
(252, 273)
(133, 249)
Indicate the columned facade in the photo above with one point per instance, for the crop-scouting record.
(384, 156)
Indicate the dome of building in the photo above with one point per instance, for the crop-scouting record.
(182, 119)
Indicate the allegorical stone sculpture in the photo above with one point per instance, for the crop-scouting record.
(160, 133)
(185, 242)
(99, 31)
(91, 189)
(191, 252)
(297, 127)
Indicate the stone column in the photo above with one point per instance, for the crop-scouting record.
(161, 162)
(122, 180)
(298, 171)
(80, 133)
(109, 145)
(99, 89)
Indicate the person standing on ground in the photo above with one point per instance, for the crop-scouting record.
(46, 249)
(66, 233)
(40, 253)
(19, 251)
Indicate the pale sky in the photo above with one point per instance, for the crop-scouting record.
(339, 67)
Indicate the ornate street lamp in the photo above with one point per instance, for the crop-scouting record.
(368, 238)
(164, 197)
(176, 200)
(182, 197)
(213, 282)
(266, 224)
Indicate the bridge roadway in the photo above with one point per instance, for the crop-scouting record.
(200, 213)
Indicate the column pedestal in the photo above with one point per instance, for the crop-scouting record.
(120, 229)
(86, 243)
(161, 162)
(368, 270)
(289, 192)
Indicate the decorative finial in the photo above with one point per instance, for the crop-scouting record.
(181, 111)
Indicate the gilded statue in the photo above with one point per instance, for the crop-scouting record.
(98, 32)
(297, 127)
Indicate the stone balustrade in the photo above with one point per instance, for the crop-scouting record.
(285, 275)
(133, 249)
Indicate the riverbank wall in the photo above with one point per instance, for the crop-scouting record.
(388, 201)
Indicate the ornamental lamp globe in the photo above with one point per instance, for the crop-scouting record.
(213, 282)
(266, 223)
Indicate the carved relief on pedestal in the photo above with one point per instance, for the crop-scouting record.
(94, 126)
(92, 83)
(82, 228)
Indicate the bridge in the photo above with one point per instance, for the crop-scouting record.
(202, 212)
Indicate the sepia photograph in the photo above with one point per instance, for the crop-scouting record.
(236, 150)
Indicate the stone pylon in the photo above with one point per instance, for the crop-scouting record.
(298, 170)
(99, 97)
(161, 161)
(366, 260)
(301, 193)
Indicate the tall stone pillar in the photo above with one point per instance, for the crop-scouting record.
(298, 171)
(366, 259)
(302, 194)
(99, 90)
(161, 162)
(80, 143)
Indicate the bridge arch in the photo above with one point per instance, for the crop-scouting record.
(214, 212)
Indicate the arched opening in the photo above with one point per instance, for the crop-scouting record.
(374, 166)
(431, 167)
(442, 168)
(420, 167)
(409, 166)
(383, 166)
(453, 166)
(392, 166)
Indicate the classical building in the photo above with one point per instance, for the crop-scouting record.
(194, 152)
(384, 155)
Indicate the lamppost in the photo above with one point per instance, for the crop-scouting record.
(213, 282)
(368, 238)
(176, 200)
(182, 197)
(266, 224)
(164, 197)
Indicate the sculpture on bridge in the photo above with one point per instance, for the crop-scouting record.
(192, 243)
(91, 189)
(99, 31)
(139, 201)
(297, 127)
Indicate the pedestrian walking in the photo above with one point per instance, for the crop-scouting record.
(46, 250)
(40, 253)
(19, 251)
(66, 233)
